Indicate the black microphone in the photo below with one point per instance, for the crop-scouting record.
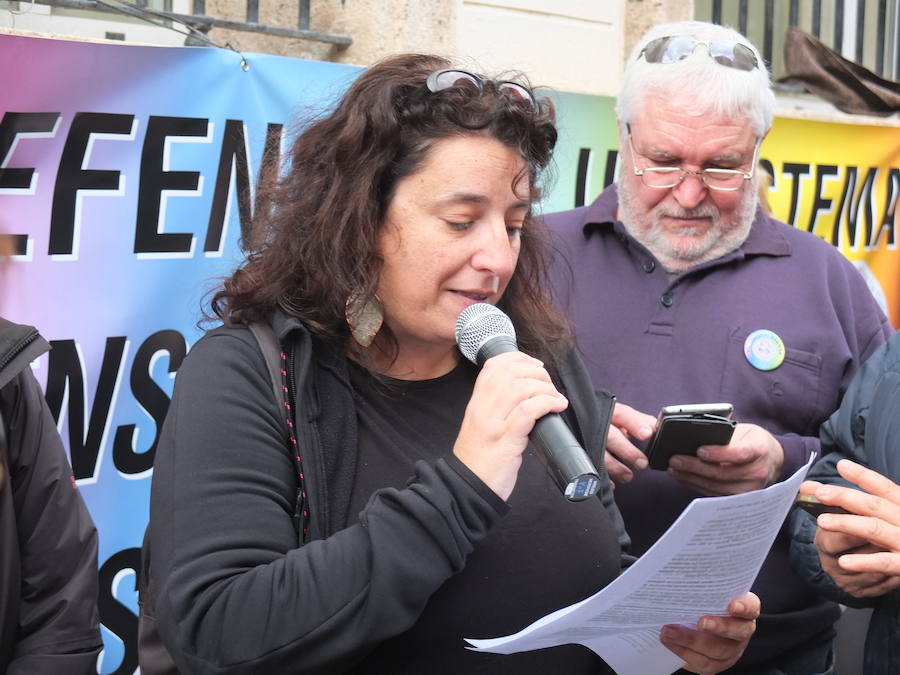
(483, 331)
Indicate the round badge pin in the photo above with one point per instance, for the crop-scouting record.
(764, 349)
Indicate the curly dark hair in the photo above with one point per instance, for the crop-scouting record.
(314, 237)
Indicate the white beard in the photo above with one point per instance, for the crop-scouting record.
(720, 238)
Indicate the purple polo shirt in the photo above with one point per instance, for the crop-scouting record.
(656, 340)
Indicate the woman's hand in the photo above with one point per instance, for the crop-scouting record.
(512, 391)
(718, 641)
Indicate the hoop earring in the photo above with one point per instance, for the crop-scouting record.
(364, 317)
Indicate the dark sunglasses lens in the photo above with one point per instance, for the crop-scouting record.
(733, 55)
(454, 78)
(744, 58)
(516, 91)
(655, 50)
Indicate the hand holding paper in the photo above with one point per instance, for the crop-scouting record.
(710, 556)
(719, 641)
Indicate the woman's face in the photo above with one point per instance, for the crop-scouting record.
(450, 238)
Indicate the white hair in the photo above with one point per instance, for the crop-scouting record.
(711, 87)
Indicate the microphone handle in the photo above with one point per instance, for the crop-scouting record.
(566, 461)
(498, 344)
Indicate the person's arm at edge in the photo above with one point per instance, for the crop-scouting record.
(839, 440)
(59, 622)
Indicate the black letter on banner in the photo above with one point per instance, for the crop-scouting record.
(64, 368)
(612, 160)
(232, 162)
(12, 126)
(71, 177)
(154, 180)
(268, 171)
(796, 172)
(888, 220)
(116, 616)
(582, 175)
(151, 398)
(849, 207)
(820, 203)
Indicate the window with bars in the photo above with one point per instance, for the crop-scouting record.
(159, 5)
(864, 31)
(198, 7)
(162, 11)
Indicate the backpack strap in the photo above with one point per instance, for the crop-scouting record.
(153, 657)
(271, 351)
(278, 366)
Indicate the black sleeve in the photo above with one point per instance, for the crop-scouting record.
(234, 592)
(58, 629)
(840, 438)
(864, 429)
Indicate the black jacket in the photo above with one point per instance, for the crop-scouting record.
(866, 429)
(48, 544)
(233, 593)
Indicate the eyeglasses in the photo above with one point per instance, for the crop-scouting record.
(674, 48)
(664, 177)
(448, 78)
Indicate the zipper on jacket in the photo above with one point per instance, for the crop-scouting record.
(302, 523)
(18, 348)
(292, 384)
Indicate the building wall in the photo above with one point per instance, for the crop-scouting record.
(640, 15)
(569, 45)
(377, 28)
(40, 18)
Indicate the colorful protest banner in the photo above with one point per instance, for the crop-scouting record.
(127, 178)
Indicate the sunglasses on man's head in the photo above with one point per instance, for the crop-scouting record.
(448, 78)
(674, 48)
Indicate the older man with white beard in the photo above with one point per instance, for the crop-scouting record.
(681, 290)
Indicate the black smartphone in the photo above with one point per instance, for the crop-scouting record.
(816, 508)
(681, 429)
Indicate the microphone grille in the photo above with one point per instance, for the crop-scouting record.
(479, 323)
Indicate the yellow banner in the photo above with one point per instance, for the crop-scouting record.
(842, 183)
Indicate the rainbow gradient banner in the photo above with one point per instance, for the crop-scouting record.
(127, 177)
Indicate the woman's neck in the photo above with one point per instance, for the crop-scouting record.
(416, 364)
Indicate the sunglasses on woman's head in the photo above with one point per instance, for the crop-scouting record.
(674, 48)
(449, 77)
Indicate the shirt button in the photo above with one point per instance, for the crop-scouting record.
(649, 266)
(666, 299)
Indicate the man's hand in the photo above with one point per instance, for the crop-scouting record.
(622, 456)
(752, 460)
(860, 551)
(718, 641)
